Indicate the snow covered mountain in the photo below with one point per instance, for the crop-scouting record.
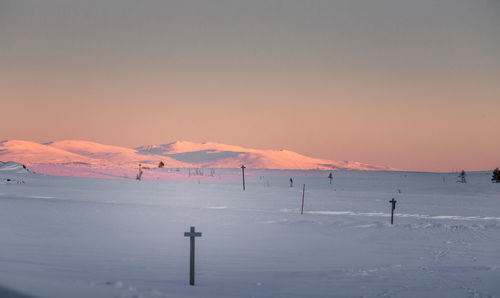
(215, 155)
(78, 154)
(27, 152)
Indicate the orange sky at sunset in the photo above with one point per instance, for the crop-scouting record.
(408, 85)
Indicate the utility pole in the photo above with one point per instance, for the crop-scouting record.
(243, 174)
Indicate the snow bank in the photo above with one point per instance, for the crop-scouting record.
(13, 167)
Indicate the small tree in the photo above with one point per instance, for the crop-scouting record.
(461, 177)
(496, 176)
(161, 164)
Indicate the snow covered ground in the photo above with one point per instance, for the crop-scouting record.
(87, 237)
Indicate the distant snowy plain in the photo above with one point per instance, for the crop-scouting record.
(88, 237)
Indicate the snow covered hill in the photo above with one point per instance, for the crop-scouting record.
(90, 159)
(115, 155)
(215, 155)
(11, 173)
(27, 152)
(13, 167)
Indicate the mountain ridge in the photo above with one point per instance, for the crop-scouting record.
(178, 154)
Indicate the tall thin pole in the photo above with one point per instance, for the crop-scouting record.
(392, 216)
(191, 234)
(393, 202)
(191, 260)
(243, 174)
(303, 192)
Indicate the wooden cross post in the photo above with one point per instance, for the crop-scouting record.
(243, 174)
(393, 202)
(192, 234)
(303, 192)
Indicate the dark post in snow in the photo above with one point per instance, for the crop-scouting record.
(192, 234)
(243, 174)
(392, 210)
(303, 192)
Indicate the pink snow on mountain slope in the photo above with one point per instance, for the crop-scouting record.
(90, 159)
(28, 153)
(185, 146)
(215, 155)
(118, 156)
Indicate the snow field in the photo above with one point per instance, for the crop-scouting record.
(84, 237)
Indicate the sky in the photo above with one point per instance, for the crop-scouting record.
(409, 84)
